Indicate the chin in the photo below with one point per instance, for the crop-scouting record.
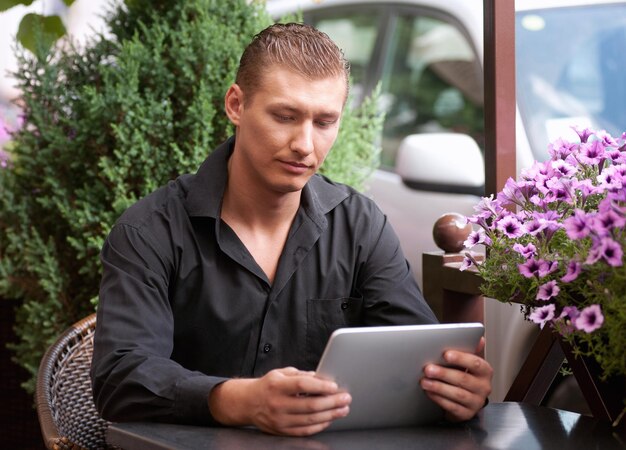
(290, 187)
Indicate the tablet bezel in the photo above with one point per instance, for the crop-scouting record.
(381, 367)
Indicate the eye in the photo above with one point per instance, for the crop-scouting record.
(283, 118)
(325, 123)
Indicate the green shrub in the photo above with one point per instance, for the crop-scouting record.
(104, 126)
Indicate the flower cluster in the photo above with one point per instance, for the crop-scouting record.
(555, 244)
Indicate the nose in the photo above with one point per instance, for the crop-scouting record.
(302, 140)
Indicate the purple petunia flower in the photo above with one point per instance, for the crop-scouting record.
(590, 319)
(535, 226)
(542, 314)
(510, 226)
(606, 138)
(548, 290)
(526, 251)
(537, 267)
(616, 156)
(608, 180)
(607, 249)
(592, 153)
(538, 201)
(583, 133)
(605, 221)
(585, 187)
(563, 191)
(567, 319)
(573, 270)
(515, 192)
(579, 225)
(477, 237)
(551, 219)
(466, 264)
(561, 149)
(487, 207)
(571, 312)
(563, 168)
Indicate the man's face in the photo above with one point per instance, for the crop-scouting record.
(285, 130)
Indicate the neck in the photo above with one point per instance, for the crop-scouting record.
(261, 220)
(259, 210)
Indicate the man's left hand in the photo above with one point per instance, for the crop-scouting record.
(460, 390)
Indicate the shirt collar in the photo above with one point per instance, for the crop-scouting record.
(205, 189)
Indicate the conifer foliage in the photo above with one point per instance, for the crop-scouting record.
(107, 124)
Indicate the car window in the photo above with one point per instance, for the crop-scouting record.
(431, 82)
(431, 79)
(355, 34)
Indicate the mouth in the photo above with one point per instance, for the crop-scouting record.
(295, 166)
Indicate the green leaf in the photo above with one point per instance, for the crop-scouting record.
(8, 4)
(67, 2)
(35, 26)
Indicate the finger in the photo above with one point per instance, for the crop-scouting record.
(462, 379)
(296, 420)
(288, 371)
(468, 361)
(456, 395)
(454, 411)
(317, 404)
(481, 345)
(310, 386)
(292, 371)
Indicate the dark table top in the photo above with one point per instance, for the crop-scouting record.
(498, 426)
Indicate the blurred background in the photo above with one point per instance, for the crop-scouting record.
(81, 19)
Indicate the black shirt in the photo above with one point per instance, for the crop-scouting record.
(184, 306)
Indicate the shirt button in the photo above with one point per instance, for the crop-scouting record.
(267, 348)
(344, 305)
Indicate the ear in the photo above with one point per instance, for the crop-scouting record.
(233, 103)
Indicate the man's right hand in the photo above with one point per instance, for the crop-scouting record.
(285, 401)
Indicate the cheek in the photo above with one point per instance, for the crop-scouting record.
(324, 143)
(265, 133)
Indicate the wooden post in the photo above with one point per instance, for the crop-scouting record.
(499, 77)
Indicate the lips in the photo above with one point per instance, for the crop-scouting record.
(295, 166)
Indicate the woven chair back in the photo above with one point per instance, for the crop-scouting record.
(67, 414)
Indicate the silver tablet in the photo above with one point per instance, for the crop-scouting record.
(381, 368)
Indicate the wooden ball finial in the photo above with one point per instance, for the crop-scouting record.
(450, 231)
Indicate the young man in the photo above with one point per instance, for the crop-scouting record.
(221, 289)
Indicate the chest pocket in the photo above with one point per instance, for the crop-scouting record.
(323, 317)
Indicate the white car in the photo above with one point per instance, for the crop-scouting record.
(428, 56)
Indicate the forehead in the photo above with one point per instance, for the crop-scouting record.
(279, 85)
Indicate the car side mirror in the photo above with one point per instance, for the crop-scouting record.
(441, 162)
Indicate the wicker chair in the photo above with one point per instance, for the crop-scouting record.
(67, 414)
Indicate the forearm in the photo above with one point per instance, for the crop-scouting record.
(134, 387)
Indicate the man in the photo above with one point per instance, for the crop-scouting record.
(220, 290)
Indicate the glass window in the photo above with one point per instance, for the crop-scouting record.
(576, 80)
(431, 82)
(356, 35)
